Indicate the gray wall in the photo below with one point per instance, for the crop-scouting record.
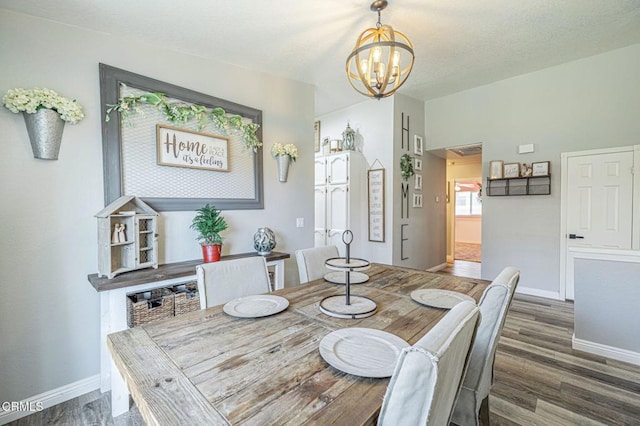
(49, 313)
(585, 104)
(606, 305)
(425, 230)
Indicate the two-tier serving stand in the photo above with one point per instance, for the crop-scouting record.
(347, 305)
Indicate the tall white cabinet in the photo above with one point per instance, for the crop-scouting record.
(340, 193)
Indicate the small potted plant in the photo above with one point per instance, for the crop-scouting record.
(208, 222)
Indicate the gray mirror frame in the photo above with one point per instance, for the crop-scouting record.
(110, 80)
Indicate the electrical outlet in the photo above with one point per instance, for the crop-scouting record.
(300, 222)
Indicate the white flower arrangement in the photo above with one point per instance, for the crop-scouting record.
(289, 149)
(32, 100)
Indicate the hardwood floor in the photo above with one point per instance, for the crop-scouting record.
(91, 409)
(539, 378)
(462, 268)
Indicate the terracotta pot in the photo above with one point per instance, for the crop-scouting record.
(211, 253)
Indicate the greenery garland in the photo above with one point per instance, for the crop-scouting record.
(406, 167)
(179, 113)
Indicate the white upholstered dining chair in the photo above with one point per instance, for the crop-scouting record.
(220, 282)
(472, 406)
(311, 262)
(428, 375)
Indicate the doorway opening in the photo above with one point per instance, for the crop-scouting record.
(467, 220)
(464, 211)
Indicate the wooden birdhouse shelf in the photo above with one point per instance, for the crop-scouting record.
(127, 237)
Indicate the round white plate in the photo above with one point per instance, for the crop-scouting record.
(260, 305)
(339, 278)
(364, 352)
(436, 298)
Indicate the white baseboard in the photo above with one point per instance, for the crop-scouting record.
(437, 268)
(540, 293)
(52, 397)
(604, 350)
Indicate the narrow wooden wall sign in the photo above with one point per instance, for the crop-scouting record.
(375, 185)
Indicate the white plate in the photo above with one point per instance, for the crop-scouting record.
(339, 278)
(436, 298)
(364, 352)
(260, 305)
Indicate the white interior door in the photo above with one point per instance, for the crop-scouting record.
(599, 207)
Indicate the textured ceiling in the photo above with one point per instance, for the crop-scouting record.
(459, 44)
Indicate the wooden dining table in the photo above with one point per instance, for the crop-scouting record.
(207, 367)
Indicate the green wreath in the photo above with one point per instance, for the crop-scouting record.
(406, 167)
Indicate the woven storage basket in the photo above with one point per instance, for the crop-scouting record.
(142, 310)
(187, 298)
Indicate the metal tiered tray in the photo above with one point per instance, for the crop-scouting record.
(347, 306)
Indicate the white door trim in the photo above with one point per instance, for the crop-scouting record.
(564, 159)
(635, 238)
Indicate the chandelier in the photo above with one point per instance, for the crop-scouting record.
(382, 59)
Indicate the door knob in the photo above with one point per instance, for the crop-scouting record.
(574, 237)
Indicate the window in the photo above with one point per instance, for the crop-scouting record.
(468, 204)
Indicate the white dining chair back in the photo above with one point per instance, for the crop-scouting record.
(472, 406)
(220, 282)
(508, 277)
(311, 262)
(428, 375)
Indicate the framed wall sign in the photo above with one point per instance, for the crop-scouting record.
(316, 136)
(417, 164)
(495, 169)
(512, 170)
(417, 201)
(185, 148)
(375, 189)
(133, 165)
(540, 168)
(418, 181)
(417, 145)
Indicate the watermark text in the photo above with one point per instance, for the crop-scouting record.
(22, 406)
